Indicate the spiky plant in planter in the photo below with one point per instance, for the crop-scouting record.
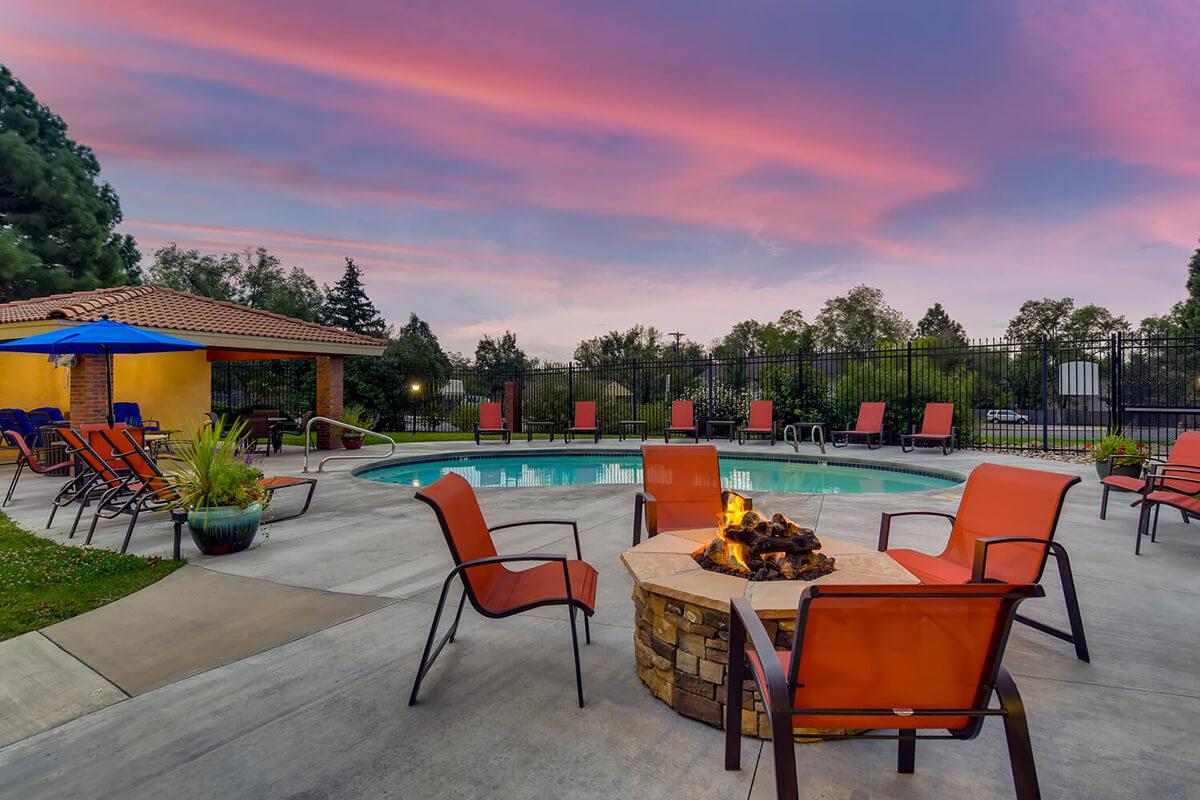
(1118, 455)
(359, 417)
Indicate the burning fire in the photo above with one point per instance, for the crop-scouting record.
(735, 509)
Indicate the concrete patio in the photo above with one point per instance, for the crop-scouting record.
(317, 707)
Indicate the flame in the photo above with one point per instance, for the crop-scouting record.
(735, 552)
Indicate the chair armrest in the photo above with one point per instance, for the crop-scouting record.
(979, 565)
(885, 523)
(745, 624)
(573, 523)
(1153, 479)
(1162, 465)
(643, 503)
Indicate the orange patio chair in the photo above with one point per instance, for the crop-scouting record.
(683, 421)
(96, 478)
(761, 423)
(1166, 489)
(1004, 531)
(1183, 461)
(585, 421)
(923, 661)
(937, 428)
(495, 590)
(91, 432)
(25, 458)
(492, 423)
(868, 427)
(681, 490)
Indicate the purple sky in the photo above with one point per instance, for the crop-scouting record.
(561, 169)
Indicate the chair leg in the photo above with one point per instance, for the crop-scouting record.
(1016, 731)
(92, 527)
(1154, 524)
(587, 630)
(78, 516)
(906, 763)
(1104, 501)
(12, 486)
(457, 616)
(53, 511)
(1073, 615)
(638, 504)
(1142, 528)
(735, 672)
(784, 750)
(430, 653)
(575, 648)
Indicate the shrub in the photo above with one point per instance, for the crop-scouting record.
(1116, 445)
(465, 417)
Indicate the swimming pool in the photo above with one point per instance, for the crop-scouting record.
(586, 468)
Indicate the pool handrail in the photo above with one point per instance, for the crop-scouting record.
(817, 432)
(347, 426)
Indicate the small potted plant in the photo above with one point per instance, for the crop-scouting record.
(1118, 455)
(359, 417)
(220, 488)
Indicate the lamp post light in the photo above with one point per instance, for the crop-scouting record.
(414, 390)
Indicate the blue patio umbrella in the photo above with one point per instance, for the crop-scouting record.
(103, 337)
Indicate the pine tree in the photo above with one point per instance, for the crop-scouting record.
(937, 324)
(348, 307)
(1189, 311)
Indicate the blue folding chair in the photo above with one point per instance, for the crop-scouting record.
(131, 415)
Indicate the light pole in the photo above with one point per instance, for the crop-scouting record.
(414, 390)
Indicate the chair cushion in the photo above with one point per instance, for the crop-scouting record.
(1175, 500)
(930, 569)
(541, 585)
(1125, 482)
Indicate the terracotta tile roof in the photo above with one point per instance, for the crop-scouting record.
(159, 307)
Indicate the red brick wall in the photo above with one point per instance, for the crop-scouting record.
(329, 398)
(512, 405)
(89, 390)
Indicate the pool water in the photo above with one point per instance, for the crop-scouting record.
(587, 469)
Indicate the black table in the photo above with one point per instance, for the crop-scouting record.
(531, 426)
(631, 426)
(712, 425)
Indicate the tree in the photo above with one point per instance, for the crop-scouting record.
(1094, 322)
(57, 219)
(786, 335)
(189, 271)
(860, 320)
(348, 307)
(642, 343)
(299, 297)
(1060, 320)
(500, 356)
(937, 324)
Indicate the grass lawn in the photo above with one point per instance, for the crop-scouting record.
(42, 582)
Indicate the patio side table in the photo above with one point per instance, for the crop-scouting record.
(630, 426)
(535, 425)
(712, 426)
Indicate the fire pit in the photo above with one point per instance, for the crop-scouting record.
(751, 546)
(681, 642)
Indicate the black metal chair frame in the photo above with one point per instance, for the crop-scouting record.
(1075, 635)
(88, 485)
(779, 691)
(744, 433)
(644, 508)
(866, 436)
(1148, 517)
(570, 433)
(684, 433)
(22, 462)
(908, 441)
(432, 651)
(501, 431)
(144, 498)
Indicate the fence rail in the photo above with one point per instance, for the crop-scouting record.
(1046, 395)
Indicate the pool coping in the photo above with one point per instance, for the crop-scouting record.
(956, 478)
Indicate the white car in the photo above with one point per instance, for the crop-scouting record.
(1006, 415)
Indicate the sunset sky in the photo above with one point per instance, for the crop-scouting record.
(561, 169)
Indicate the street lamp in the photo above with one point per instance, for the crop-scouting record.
(414, 389)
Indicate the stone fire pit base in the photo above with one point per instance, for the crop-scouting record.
(681, 642)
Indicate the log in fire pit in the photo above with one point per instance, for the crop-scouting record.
(751, 546)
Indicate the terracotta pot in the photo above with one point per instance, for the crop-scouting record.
(352, 443)
(224, 529)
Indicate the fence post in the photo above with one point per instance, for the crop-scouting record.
(799, 389)
(570, 388)
(635, 388)
(1045, 395)
(908, 414)
(708, 410)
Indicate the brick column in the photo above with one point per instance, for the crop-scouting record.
(89, 390)
(512, 405)
(329, 398)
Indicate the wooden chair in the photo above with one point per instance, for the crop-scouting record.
(492, 423)
(681, 490)
(584, 422)
(921, 660)
(937, 428)
(1006, 523)
(761, 422)
(868, 427)
(494, 590)
(683, 421)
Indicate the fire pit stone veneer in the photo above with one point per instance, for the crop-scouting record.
(681, 641)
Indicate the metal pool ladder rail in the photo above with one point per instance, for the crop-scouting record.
(817, 435)
(338, 423)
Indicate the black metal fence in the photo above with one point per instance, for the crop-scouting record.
(1046, 395)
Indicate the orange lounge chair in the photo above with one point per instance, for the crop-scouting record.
(492, 423)
(936, 428)
(494, 590)
(585, 421)
(1183, 461)
(762, 421)
(683, 421)
(1004, 531)
(681, 490)
(25, 458)
(868, 428)
(921, 660)
(98, 479)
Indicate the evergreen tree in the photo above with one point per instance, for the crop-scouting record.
(57, 219)
(937, 324)
(348, 307)
(1188, 313)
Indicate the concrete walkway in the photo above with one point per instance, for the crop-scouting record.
(324, 715)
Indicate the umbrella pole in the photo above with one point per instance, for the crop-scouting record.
(108, 385)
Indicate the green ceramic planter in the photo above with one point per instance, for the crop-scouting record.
(224, 529)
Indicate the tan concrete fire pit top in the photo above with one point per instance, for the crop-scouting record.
(664, 565)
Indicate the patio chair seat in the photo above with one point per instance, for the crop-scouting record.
(541, 585)
(1184, 502)
(930, 569)
(1124, 482)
